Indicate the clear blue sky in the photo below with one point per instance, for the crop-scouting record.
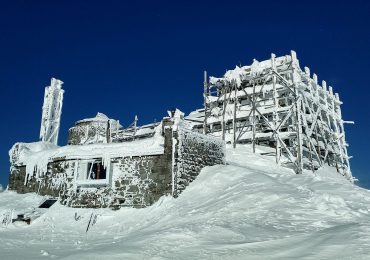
(124, 58)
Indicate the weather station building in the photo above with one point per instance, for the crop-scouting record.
(272, 104)
(106, 165)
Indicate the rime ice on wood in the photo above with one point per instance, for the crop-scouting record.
(275, 103)
(51, 112)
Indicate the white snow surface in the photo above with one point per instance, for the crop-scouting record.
(248, 209)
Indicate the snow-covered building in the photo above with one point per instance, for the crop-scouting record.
(106, 165)
(277, 104)
(93, 130)
(273, 103)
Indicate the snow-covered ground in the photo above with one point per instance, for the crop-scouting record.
(249, 209)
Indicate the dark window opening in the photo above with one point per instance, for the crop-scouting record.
(96, 171)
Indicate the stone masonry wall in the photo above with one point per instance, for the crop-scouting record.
(59, 177)
(86, 133)
(193, 151)
(136, 181)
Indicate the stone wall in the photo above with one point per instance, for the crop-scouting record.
(136, 181)
(59, 177)
(193, 151)
(87, 133)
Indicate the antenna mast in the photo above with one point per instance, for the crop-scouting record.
(51, 112)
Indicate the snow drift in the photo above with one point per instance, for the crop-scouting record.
(248, 209)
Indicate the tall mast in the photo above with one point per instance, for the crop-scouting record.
(51, 112)
(205, 93)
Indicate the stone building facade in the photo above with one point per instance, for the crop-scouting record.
(136, 179)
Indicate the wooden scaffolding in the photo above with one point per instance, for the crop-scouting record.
(276, 104)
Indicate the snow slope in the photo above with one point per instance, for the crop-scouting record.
(249, 209)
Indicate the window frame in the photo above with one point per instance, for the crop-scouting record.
(82, 173)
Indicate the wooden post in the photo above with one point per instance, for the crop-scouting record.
(298, 111)
(135, 125)
(234, 116)
(205, 93)
(254, 118)
(317, 97)
(223, 91)
(312, 168)
(117, 128)
(275, 113)
(325, 93)
(108, 133)
(343, 142)
(336, 125)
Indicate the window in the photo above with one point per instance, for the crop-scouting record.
(92, 173)
(96, 171)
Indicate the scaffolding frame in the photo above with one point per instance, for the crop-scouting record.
(275, 103)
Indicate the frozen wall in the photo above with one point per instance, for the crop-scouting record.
(93, 130)
(192, 152)
(55, 182)
(134, 181)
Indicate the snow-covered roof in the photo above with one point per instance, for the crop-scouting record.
(36, 156)
(100, 117)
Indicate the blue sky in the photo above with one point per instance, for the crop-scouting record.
(124, 58)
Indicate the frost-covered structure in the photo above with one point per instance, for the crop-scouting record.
(275, 103)
(106, 165)
(99, 129)
(271, 103)
(51, 112)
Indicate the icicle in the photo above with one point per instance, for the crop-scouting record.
(106, 160)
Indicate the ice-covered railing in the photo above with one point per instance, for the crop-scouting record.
(132, 133)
